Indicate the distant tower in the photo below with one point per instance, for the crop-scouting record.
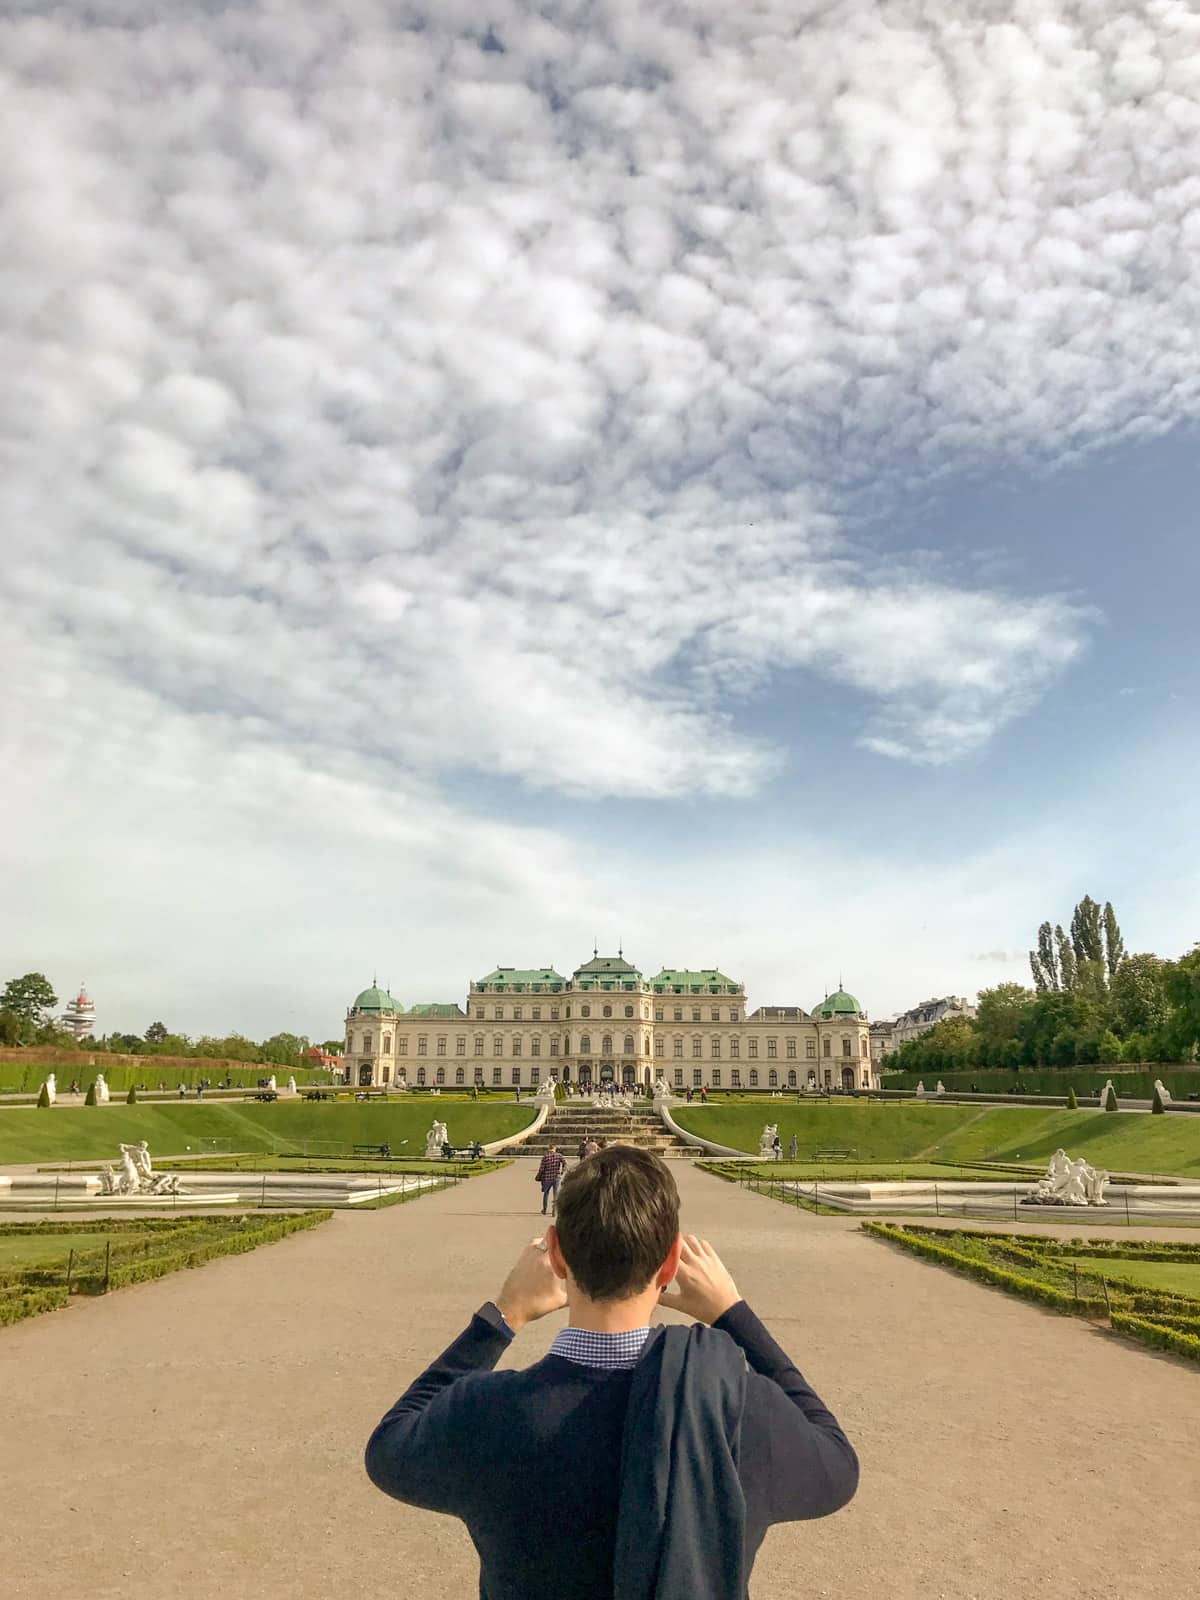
(80, 1016)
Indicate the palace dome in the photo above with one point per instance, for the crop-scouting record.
(376, 999)
(840, 1004)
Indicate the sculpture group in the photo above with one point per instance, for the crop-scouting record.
(437, 1136)
(769, 1148)
(137, 1175)
(1069, 1183)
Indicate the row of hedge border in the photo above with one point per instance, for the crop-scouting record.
(1157, 1334)
(1028, 1288)
(20, 1303)
(231, 1244)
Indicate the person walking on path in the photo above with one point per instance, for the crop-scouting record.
(549, 1175)
(674, 1448)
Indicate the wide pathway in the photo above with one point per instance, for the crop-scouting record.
(203, 1435)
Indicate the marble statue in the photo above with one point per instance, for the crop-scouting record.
(402, 1079)
(941, 1087)
(51, 1088)
(292, 1084)
(1069, 1183)
(766, 1143)
(1164, 1094)
(437, 1136)
(137, 1175)
(1104, 1094)
(661, 1091)
(102, 1094)
(108, 1179)
(920, 1088)
(271, 1084)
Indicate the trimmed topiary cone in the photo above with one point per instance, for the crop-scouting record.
(89, 1098)
(44, 1097)
(131, 1097)
(1072, 1100)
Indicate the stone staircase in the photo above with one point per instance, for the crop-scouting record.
(568, 1124)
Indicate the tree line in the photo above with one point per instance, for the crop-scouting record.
(1091, 1004)
(27, 1017)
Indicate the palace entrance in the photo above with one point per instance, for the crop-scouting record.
(847, 1077)
(364, 1074)
(606, 1073)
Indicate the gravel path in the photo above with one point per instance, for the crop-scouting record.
(203, 1435)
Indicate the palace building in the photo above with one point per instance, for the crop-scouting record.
(607, 1023)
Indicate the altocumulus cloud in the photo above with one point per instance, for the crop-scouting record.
(381, 384)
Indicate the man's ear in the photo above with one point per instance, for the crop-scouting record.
(558, 1261)
(666, 1273)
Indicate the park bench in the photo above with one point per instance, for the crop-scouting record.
(383, 1151)
(462, 1152)
(318, 1094)
(265, 1094)
(828, 1153)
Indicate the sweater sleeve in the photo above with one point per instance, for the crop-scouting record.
(795, 1461)
(421, 1452)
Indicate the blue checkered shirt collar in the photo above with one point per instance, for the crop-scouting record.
(612, 1350)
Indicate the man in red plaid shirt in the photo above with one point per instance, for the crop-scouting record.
(549, 1175)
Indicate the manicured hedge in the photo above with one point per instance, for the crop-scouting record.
(1028, 1288)
(1155, 1334)
(18, 1302)
(195, 1255)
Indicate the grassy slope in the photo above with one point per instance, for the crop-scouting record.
(962, 1134)
(93, 1133)
(1136, 1084)
(1176, 1277)
(27, 1077)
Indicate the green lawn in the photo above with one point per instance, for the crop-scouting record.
(319, 1128)
(960, 1135)
(1133, 1082)
(1174, 1277)
(33, 1250)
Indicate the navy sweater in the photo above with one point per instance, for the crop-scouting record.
(530, 1459)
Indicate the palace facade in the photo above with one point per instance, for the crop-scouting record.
(607, 1023)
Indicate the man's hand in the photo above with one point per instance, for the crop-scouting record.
(532, 1289)
(703, 1286)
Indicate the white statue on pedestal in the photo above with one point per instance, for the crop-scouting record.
(402, 1080)
(51, 1088)
(271, 1084)
(661, 1091)
(766, 1143)
(102, 1094)
(920, 1088)
(1069, 1183)
(1164, 1094)
(292, 1084)
(437, 1136)
(941, 1087)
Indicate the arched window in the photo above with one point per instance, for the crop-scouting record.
(421, 1076)
(606, 1045)
(585, 1044)
(628, 1045)
(773, 1079)
(460, 1075)
(441, 1074)
(628, 1011)
(608, 1011)
(387, 1044)
(792, 1078)
(754, 1077)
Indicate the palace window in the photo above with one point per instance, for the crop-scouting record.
(460, 1045)
(735, 1048)
(697, 1045)
(715, 1048)
(585, 1011)
(627, 1045)
(460, 1075)
(536, 1013)
(534, 1075)
(645, 1044)
(695, 1013)
(608, 1011)
(828, 1046)
(810, 1048)
(772, 1048)
(752, 1050)
(659, 1045)
(498, 1044)
(865, 1049)
(585, 1044)
(516, 1045)
(733, 1015)
(387, 1044)
(736, 1078)
(499, 1013)
(658, 1016)
(441, 1074)
(679, 1077)
(441, 1044)
(677, 1046)
(516, 1013)
(496, 1075)
(791, 1044)
(606, 1045)
(535, 1045)
(422, 1045)
(754, 1077)
(697, 1078)
(421, 1076)
(554, 1045)
(366, 1041)
(773, 1079)
(554, 1013)
(845, 1047)
(792, 1078)
(678, 1014)
(866, 1083)
(716, 1077)
(478, 1044)
(628, 1011)
(716, 1013)
(516, 1075)
(402, 1044)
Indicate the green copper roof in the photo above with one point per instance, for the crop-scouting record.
(840, 1004)
(608, 967)
(507, 975)
(436, 1008)
(376, 999)
(694, 982)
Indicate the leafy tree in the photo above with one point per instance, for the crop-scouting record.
(1044, 962)
(284, 1049)
(1091, 980)
(1114, 945)
(1110, 1047)
(1138, 996)
(156, 1033)
(14, 1029)
(1181, 982)
(1087, 931)
(1066, 958)
(1002, 1011)
(334, 1047)
(30, 997)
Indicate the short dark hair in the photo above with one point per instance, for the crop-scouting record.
(617, 1218)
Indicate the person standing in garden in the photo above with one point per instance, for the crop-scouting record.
(549, 1175)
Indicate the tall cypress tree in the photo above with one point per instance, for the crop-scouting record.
(1066, 958)
(1087, 936)
(1043, 961)
(1114, 945)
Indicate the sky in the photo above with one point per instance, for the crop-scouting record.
(479, 481)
